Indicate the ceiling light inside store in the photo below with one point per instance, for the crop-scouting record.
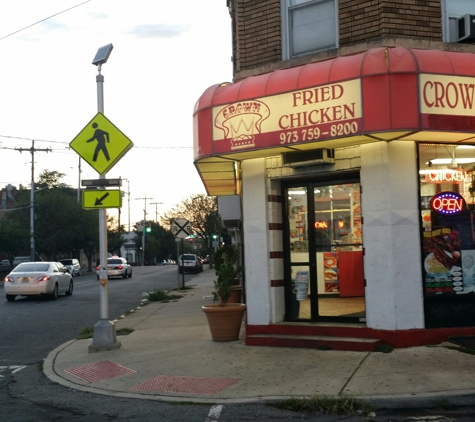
(297, 192)
(451, 160)
(432, 171)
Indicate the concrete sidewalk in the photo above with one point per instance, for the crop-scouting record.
(170, 356)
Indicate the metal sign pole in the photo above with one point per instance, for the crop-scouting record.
(178, 261)
(104, 337)
(182, 265)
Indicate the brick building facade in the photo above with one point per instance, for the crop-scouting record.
(349, 135)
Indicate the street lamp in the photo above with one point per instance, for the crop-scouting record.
(104, 337)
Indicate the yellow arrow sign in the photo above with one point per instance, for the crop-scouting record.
(101, 144)
(95, 199)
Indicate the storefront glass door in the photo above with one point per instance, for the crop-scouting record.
(325, 253)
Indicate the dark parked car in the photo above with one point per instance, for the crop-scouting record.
(5, 265)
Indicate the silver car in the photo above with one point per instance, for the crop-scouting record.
(72, 265)
(116, 267)
(189, 263)
(38, 278)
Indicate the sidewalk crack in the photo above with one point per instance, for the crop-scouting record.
(353, 374)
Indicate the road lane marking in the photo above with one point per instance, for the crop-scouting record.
(214, 413)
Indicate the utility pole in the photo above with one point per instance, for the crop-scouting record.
(156, 209)
(143, 227)
(128, 202)
(32, 150)
(79, 180)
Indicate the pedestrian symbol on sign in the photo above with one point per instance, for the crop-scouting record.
(101, 144)
(101, 137)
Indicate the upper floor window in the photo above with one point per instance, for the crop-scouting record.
(452, 10)
(308, 26)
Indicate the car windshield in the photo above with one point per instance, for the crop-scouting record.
(31, 267)
(66, 261)
(188, 257)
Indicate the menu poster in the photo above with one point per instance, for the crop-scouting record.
(442, 261)
(330, 262)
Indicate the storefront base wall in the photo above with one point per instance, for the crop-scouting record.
(256, 249)
(394, 338)
(391, 236)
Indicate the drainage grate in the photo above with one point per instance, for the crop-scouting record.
(99, 371)
(191, 385)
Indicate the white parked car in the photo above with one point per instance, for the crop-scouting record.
(72, 265)
(189, 263)
(38, 278)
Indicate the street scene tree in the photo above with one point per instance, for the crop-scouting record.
(159, 241)
(115, 238)
(62, 226)
(202, 213)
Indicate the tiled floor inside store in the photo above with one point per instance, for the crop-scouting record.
(335, 306)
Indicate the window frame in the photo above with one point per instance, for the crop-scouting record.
(286, 33)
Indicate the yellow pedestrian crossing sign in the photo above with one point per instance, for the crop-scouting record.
(95, 198)
(101, 144)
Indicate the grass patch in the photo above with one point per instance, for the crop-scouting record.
(325, 404)
(161, 296)
(443, 404)
(88, 332)
(124, 331)
(384, 348)
(190, 403)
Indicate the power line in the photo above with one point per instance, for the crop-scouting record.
(42, 20)
(67, 143)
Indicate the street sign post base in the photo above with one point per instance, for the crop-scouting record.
(104, 337)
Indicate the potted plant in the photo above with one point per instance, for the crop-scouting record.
(228, 270)
(225, 318)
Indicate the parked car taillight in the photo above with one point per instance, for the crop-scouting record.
(120, 267)
(10, 279)
(43, 278)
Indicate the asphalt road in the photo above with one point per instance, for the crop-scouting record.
(31, 327)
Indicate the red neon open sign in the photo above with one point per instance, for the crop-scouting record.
(448, 203)
(320, 224)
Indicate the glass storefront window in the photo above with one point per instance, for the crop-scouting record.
(446, 176)
(324, 247)
(298, 223)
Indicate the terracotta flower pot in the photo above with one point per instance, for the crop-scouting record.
(236, 295)
(224, 321)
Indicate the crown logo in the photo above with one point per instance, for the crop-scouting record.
(241, 121)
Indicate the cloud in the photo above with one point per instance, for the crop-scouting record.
(158, 31)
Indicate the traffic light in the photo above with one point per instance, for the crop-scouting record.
(214, 236)
(148, 229)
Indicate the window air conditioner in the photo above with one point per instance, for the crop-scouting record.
(308, 158)
(466, 29)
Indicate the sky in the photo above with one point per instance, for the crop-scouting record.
(165, 55)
